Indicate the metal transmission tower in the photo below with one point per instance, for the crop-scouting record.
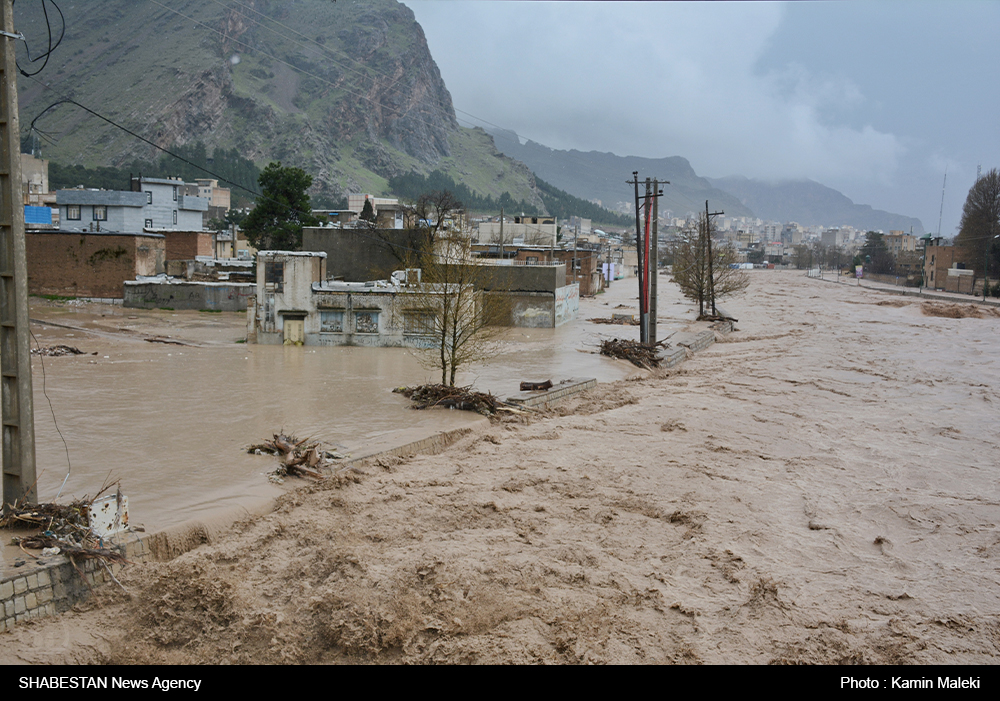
(15, 358)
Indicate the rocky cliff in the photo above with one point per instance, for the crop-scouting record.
(347, 91)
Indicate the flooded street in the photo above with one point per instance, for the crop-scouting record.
(172, 421)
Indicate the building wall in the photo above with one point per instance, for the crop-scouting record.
(218, 296)
(187, 245)
(358, 255)
(90, 264)
(937, 260)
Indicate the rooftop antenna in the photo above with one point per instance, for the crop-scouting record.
(941, 212)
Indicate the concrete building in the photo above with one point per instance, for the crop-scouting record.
(523, 230)
(153, 204)
(897, 242)
(295, 305)
(948, 268)
(90, 264)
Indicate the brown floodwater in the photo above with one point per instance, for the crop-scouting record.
(173, 422)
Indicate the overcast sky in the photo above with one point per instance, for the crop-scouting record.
(874, 99)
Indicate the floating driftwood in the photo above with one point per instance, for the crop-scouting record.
(643, 355)
(424, 396)
(536, 386)
(298, 458)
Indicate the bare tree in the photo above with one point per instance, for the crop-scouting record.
(698, 281)
(981, 222)
(451, 302)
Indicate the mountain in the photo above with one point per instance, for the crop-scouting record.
(346, 91)
(811, 204)
(602, 176)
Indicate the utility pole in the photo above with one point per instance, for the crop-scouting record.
(654, 244)
(642, 247)
(711, 270)
(15, 359)
(501, 236)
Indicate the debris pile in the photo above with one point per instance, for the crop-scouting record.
(424, 396)
(298, 458)
(643, 355)
(57, 351)
(63, 529)
(617, 319)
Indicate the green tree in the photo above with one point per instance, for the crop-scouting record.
(282, 209)
(367, 213)
(876, 255)
(981, 222)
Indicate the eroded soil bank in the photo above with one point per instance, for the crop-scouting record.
(820, 486)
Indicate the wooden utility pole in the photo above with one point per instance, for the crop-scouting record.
(15, 358)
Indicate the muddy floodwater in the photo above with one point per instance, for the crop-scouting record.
(172, 422)
(818, 486)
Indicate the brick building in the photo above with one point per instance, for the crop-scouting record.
(90, 264)
(188, 245)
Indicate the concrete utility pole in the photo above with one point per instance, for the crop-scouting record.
(646, 254)
(711, 269)
(15, 357)
(653, 273)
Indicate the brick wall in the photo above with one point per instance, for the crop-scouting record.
(89, 264)
(186, 245)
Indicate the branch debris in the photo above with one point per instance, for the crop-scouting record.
(424, 396)
(618, 320)
(64, 529)
(643, 355)
(298, 458)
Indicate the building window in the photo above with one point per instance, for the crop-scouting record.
(331, 322)
(175, 216)
(175, 193)
(100, 213)
(366, 322)
(149, 223)
(73, 212)
(149, 197)
(274, 275)
(418, 323)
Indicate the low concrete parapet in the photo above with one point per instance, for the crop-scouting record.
(542, 398)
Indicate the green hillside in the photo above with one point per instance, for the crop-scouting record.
(346, 91)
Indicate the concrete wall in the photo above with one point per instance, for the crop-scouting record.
(90, 264)
(567, 304)
(519, 278)
(218, 296)
(358, 255)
